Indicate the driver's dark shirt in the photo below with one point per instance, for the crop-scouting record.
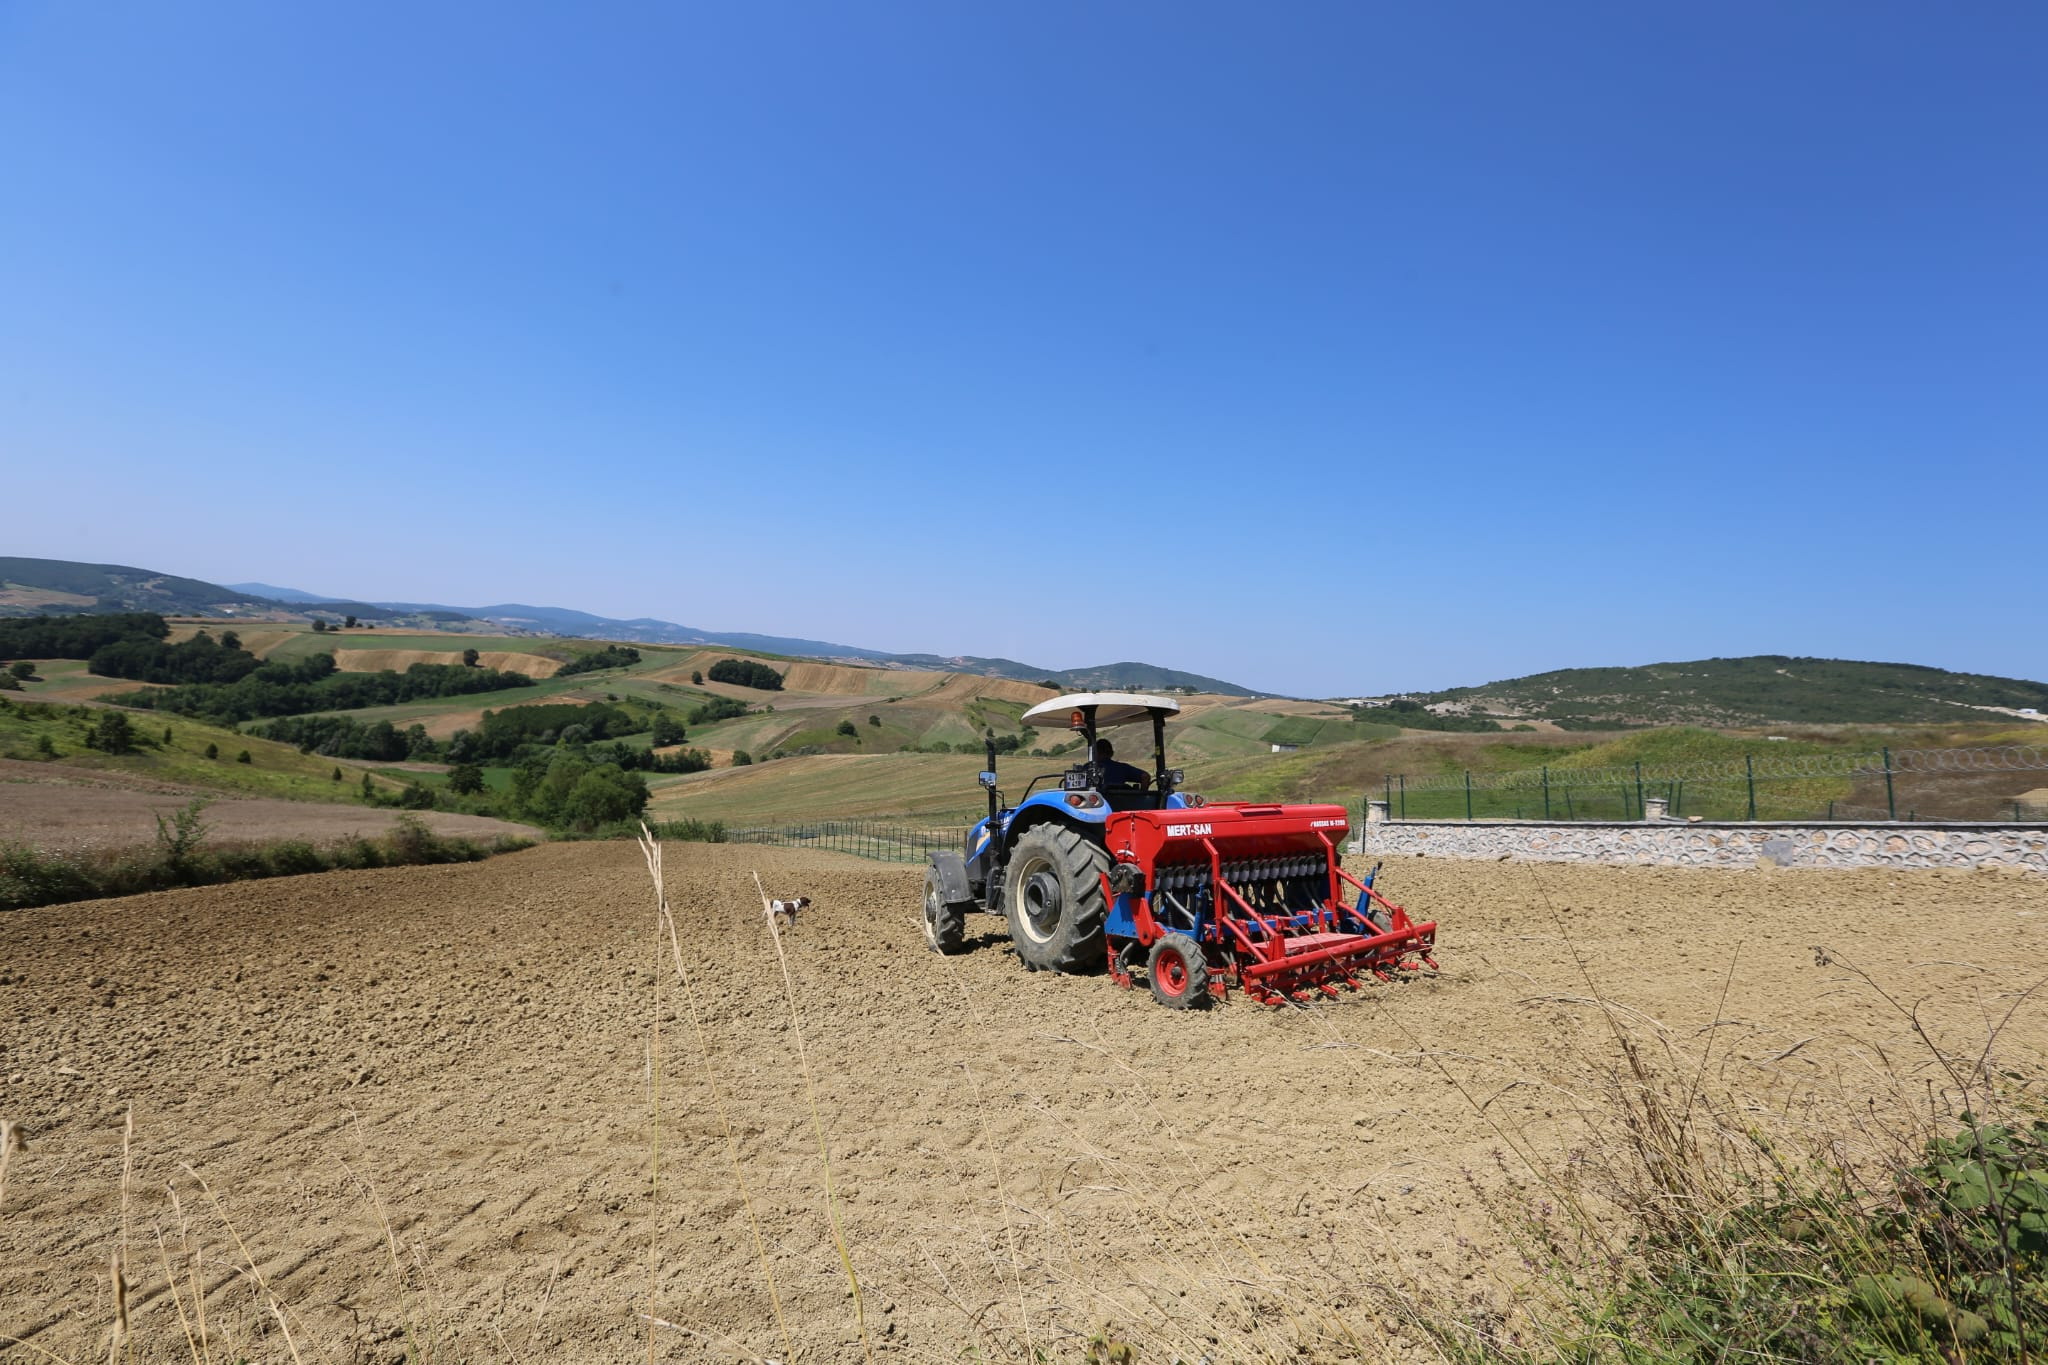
(1120, 774)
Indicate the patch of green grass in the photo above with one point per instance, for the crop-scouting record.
(43, 732)
(1688, 1228)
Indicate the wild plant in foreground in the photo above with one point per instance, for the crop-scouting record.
(1691, 1232)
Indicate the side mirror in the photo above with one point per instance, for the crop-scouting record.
(987, 780)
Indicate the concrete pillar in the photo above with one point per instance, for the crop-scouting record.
(1375, 812)
(1655, 809)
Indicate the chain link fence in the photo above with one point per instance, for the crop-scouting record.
(1983, 784)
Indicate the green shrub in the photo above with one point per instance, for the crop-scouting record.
(289, 857)
(410, 841)
(180, 837)
(243, 757)
(354, 851)
(746, 673)
(691, 831)
(611, 656)
(1688, 1233)
(31, 877)
(112, 733)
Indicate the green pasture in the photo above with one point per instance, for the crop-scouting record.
(274, 770)
(497, 781)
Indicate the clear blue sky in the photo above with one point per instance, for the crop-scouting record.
(1407, 345)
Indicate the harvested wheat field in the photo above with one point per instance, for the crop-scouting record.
(398, 660)
(411, 1112)
(837, 680)
(257, 639)
(965, 687)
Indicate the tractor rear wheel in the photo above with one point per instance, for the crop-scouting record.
(1179, 973)
(945, 922)
(1054, 900)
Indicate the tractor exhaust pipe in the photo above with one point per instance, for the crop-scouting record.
(988, 749)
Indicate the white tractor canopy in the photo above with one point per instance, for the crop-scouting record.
(1109, 708)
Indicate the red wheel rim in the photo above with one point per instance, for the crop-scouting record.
(1173, 973)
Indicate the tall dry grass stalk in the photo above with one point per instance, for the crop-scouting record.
(419, 1344)
(12, 1140)
(248, 1268)
(193, 1325)
(860, 1316)
(650, 849)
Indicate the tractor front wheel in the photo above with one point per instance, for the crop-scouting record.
(1178, 972)
(945, 922)
(1054, 900)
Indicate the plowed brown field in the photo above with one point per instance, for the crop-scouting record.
(420, 1098)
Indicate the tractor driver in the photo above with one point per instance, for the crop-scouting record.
(1115, 774)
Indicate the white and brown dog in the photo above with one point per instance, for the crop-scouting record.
(783, 913)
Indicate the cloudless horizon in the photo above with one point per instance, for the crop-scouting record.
(1328, 349)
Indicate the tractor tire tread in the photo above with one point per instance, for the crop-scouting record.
(945, 922)
(1077, 946)
(1194, 992)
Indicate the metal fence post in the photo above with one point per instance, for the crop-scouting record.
(1546, 791)
(1891, 802)
(1404, 796)
(1749, 768)
(1468, 793)
(1390, 790)
(1639, 788)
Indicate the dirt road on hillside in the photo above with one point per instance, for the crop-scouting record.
(421, 1099)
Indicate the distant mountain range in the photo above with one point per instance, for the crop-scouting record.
(28, 586)
(1762, 689)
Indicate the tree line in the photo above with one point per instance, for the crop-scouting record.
(75, 637)
(291, 689)
(746, 673)
(611, 656)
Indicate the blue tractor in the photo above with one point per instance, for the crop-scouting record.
(1040, 863)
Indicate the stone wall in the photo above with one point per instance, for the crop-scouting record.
(1677, 843)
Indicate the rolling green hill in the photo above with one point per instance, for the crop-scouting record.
(29, 586)
(1764, 689)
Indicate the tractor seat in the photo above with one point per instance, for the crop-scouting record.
(1131, 798)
